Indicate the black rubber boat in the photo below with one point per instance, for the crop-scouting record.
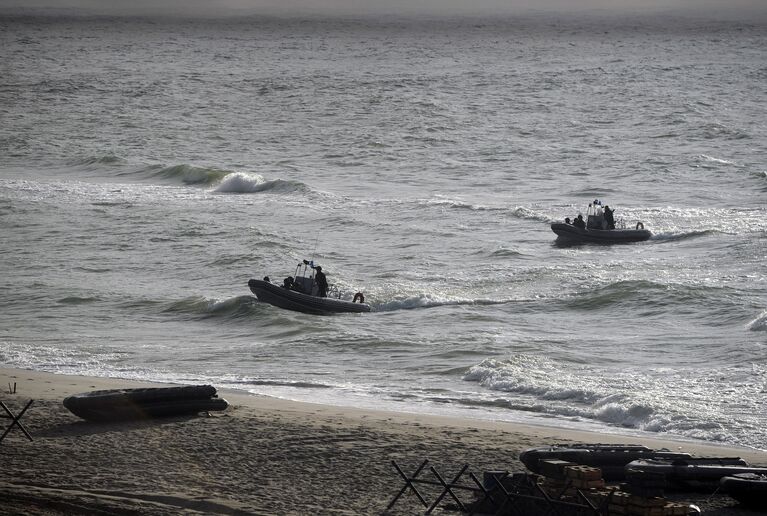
(298, 301)
(610, 458)
(750, 489)
(694, 473)
(300, 294)
(147, 403)
(570, 233)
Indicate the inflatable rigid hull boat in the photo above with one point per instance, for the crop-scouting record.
(750, 489)
(570, 233)
(694, 474)
(125, 404)
(610, 458)
(282, 297)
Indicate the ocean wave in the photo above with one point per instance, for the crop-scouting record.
(505, 253)
(456, 204)
(75, 300)
(240, 182)
(640, 294)
(629, 399)
(521, 212)
(188, 174)
(93, 269)
(711, 159)
(279, 383)
(758, 324)
(429, 301)
(56, 359)
(526, 374)
(221, 180)
(204, 308)
(106, 159)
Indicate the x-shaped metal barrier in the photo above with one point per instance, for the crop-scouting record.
(515, 498)
(15, 420)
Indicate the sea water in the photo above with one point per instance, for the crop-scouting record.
(150, 167)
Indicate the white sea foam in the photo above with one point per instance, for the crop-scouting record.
(429, 301)
(716, 160)
(241, 182)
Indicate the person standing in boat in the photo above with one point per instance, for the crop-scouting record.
(322, 282)
(579, 222)
(609, 217)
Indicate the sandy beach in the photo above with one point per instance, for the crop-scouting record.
(260, 456)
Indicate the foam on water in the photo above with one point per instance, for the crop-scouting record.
(632, 399)
(241, 182)
(425, 300)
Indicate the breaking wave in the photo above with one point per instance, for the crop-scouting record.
(632, 399)
(240, 182)
(521, 212)
(220, 180)
(190, 175)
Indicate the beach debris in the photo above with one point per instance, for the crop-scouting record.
(15, 420)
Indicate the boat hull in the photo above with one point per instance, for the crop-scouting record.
(694, 474)
(291, 300)
(125, 404)
(610, 458)
(750, 489)
(570, 233)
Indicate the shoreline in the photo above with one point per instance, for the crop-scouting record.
(261, 455)
(61, 385)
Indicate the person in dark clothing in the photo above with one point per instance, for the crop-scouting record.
(322, 282)
(579, 222)
(609, 218)
(567, 220)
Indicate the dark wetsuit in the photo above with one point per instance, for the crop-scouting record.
(609, 218)
(579, 223)
(322, 284)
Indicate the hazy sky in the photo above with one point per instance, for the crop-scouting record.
(724, 8)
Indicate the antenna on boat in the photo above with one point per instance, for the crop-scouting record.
(315, 247)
